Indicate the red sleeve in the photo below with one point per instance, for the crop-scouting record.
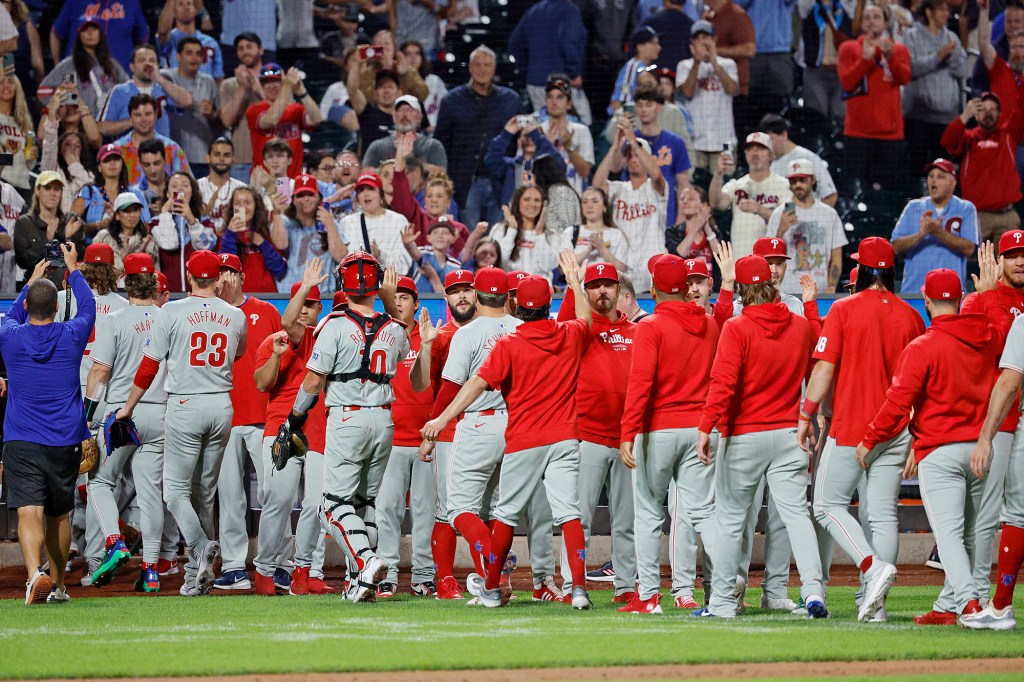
(403, 201)
(724, 375)
(147, 371)
(264, 352)
(899, 64)
(252, 116)
(911, 377)
(496, 366)
(723, 307)
(830, 339)
(851, 65)
(641, 379)
(955, 136)
(999, 319)
(814, 317)
(582, 331)
(445, 395)
(567, 311)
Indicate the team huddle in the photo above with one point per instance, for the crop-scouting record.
(504, 417)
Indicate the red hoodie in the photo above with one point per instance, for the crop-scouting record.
(724, 310)
(672, 358)
(987, 159)
(601, 395)
(762, 361)
(411, 410)
(536, 369)
(945, 377)
(1011, 303)
(873, 108)
(403, 201)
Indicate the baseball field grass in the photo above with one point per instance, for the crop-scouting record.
(160, 636)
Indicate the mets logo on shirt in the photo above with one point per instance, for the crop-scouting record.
(953, 224)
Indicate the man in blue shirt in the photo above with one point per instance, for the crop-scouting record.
(180, 22)
(146, 78)
(45, 422)
(646, 48)
(667, 148)
(122, 22)
(771, 69)
(549, 38)
(936, 231)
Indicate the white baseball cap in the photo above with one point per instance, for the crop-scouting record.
(124, 200)
(411, 101)
(758, 138)
(645, 144)
(800, 168)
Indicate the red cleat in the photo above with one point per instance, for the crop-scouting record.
(686, 602)
(936, 618)
(264, 585)
(624, 598)
(300, 581)
(318, 586)
(638, 605)
(167, 567)
(972, 607)
(449, 588)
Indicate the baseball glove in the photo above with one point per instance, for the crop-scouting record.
(118, 433)
(90, 456)
(290, 442)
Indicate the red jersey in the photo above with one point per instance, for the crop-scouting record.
(281, 396)
(725, 309)
(672, 359)
(1011, 304)
(438, 356)
(762, 361)
(945, 377)
(863, 337)
(987, 159)
(250, 406)
(289, 129)
(536, 369)
(873, 108)
(410, 410)
(1007, 85)
(601, 396)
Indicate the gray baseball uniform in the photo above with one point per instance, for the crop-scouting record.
(1013, 491)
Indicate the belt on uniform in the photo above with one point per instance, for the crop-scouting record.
(482, 413)
(356, 408)
(1004, 209)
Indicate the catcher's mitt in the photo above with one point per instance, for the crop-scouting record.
(288, 444)
(118, 433)
(90, 456)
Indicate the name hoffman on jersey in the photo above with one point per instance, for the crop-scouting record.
(201, 316)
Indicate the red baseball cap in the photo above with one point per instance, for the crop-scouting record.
(942, 285)
(305, 184)
(108, 150)
(771, 247)
(752, 270)
(445, 223)
(407, 284)
(491, 280)
(653, 260)
(875, 252)
(138, 264)
(696, 267)
(204, 264)
(670, 274)
(515, 277)
(942, 165)
(340, 298)
(99, 253)
(161, 283)
(458, 277)
(853, 278)
(599, 271)
(230, 261)
(369, 179)
(534, 292)
(313, 295)
(1014, 239)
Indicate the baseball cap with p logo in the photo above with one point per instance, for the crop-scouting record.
(942, 285)
(1014, 239)
(231, 262)
(599, 271)
(696, 267)
(457, 277)
(770, 247)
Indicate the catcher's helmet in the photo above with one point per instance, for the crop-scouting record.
(361, 274)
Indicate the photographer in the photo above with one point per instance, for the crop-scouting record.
(45, 422)
(45, 221)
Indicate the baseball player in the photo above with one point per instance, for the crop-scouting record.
(280, 368)
(246, 438)
(120, 338)
(600, 401)
(663, 406)
(406, 473)
(355, 357)
(426, 373)
(755, 412)
(536, 369)
(858, 348)
(200, 337)
(942, 382)
(1010, 292)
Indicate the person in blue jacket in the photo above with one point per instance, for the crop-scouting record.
(510, 156)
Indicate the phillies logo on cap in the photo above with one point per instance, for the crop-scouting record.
(600, 269)
(690, 264)
(775, 244)
(223, 258)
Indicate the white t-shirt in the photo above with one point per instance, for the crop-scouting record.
(7, 28)
(747, 228)
(583, 141)
(710, 107)
(386, 230)
(614, 239)
(537, 254)
(818, 230)
(11, 206)
(825, 184)
(640, 214)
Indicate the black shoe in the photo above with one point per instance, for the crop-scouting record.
(933, 560)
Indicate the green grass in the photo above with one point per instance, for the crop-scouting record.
(139, 636)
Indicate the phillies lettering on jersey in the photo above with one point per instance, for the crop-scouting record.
(120, 340)
(628, 212)
(616, 340)
(762, 199)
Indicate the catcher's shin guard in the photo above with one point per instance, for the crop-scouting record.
(347, 528)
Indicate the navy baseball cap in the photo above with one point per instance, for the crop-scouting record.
(642, 35)
(702, 26)
(271, 72)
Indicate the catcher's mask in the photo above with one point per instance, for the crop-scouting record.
(361, 274)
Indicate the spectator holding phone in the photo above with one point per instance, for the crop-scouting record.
(311, 232)
(67, 113)
(599, 239)
(45, 221)
(248, 236)
(66, 156)
(95, 203)
(127, 232)
(512, 153)
(90, 67)
(181, 228)
(376, 114)
(382, 55)
(218, 186)
(15, 129)
(146, 77)
(695, 236)
(708, 83)
(273, 176)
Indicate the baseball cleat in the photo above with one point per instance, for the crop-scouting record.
(740, 594)
(881, 616)
(374, 571)
(770, 604)
(385, 590)
(233, 580)
(187, 590)
(647, 606)
(167, 567)
(318, 586)
(265, 585)
(282, 580)
(816, 607)
(547, 590)
(624, 598)
(933, 559)
(205, 576)
(605, 574)
(300, 581)
(449, 588)
(38, 589)
(59, 595)
(490, 598)
(972, 608)
(934, 617)
(580, 598)
(424, 589)
(877, 581)
(800, 610)
(117, 556)
(148, 580)
(704, 612)
(686, 601)
(90, 568)
(989, 618)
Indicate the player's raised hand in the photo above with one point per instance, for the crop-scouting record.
(626, 454)
(704, 453)
(808, 288)
(390, 284)
(428, 332)
(989, 268)
(726, 263)
(409, 235)
(567, 262)
(313, 275)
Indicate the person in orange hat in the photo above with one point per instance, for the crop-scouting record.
(199, 338)
(858, 350)
(121, 338)
(246, 438)
(252, 235)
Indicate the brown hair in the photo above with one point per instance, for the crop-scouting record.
(757, 294)
(102, 277)
(140, 286)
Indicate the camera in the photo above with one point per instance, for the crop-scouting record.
(525, 120)
(367, 52)
(53, 254)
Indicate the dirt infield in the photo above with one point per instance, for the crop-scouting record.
(839, 670)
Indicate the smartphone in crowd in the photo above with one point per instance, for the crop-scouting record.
(371, 52)
(284, 188)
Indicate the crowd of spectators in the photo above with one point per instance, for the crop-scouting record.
(285, 130)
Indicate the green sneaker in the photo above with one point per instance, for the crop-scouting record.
(116, 557)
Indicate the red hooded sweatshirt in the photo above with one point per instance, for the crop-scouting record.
(672, 358)
(411, 410)
(945, 377)
(1011, 304)
(604, 374)
(536, 370)
(763, 358)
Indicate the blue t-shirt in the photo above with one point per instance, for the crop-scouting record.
(213, 58)
(122, 22)
(304, 243)
(258, 16)
(959, 218)
(669, 151)
(116, 107)
(96, 204)
(442, 269)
